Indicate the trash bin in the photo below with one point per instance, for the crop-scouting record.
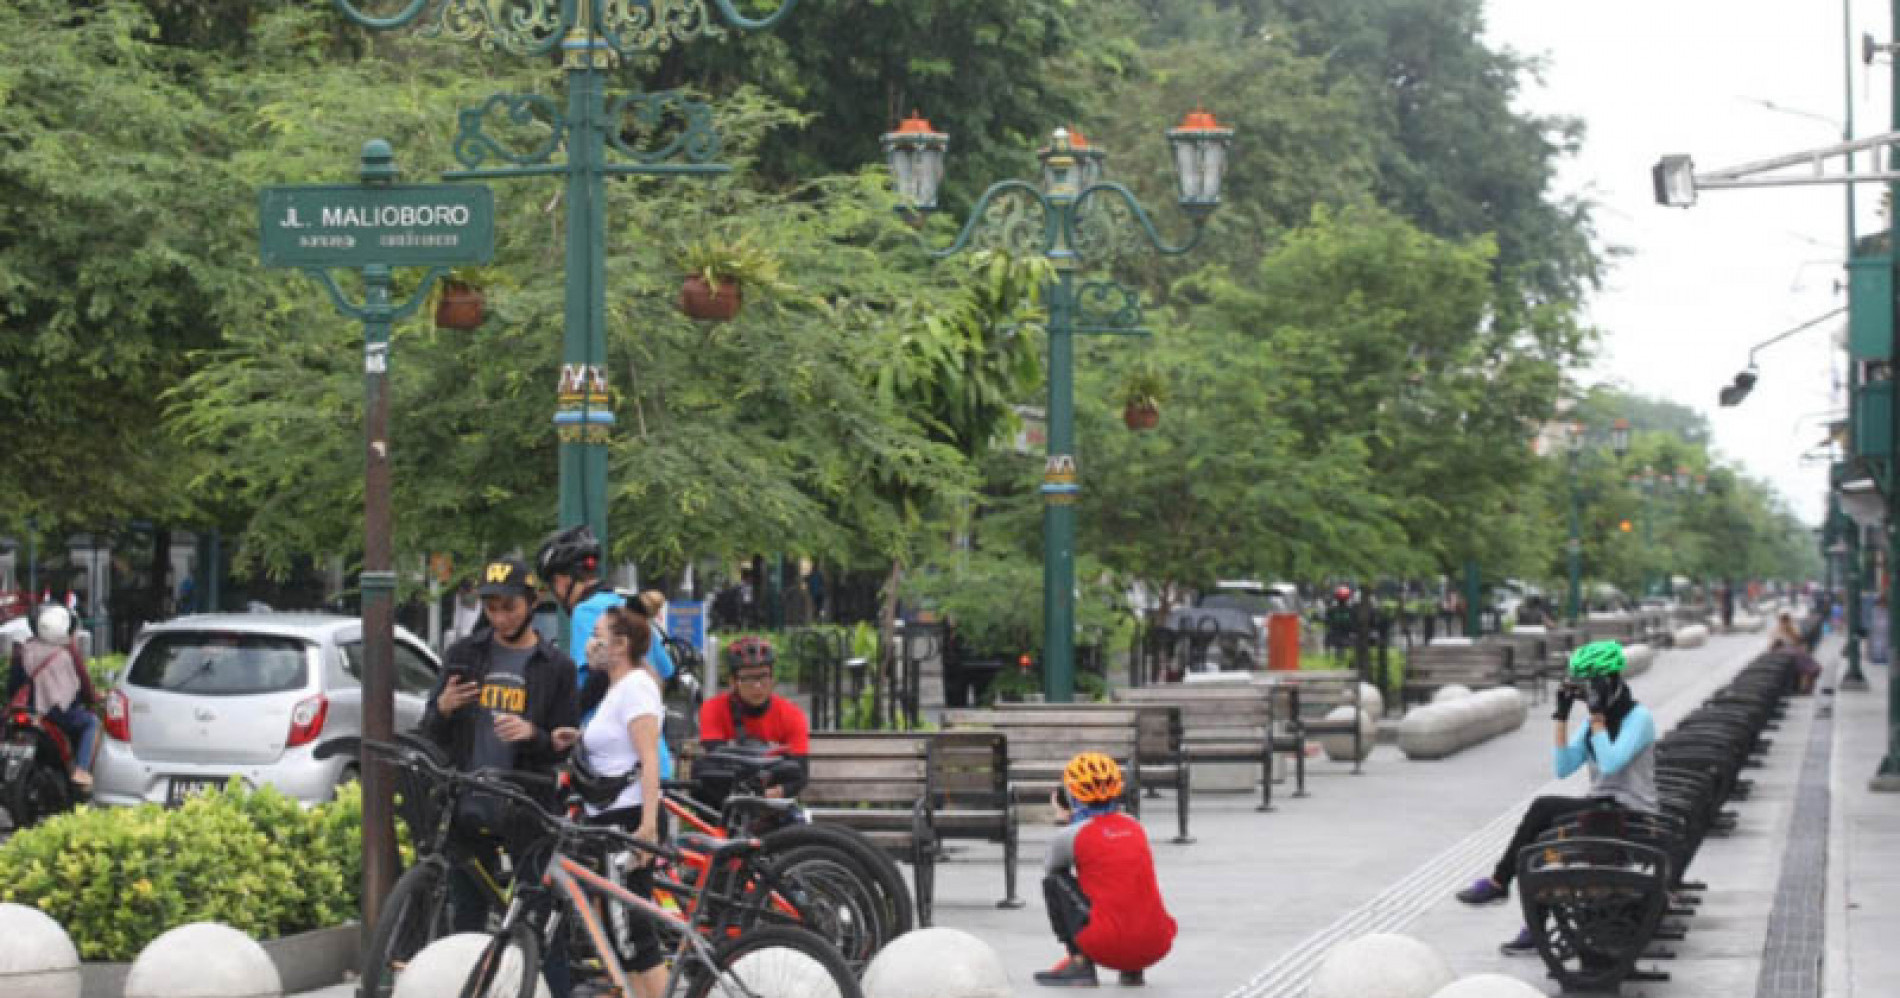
(1283, 642)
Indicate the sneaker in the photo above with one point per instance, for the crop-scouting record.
(1132, 979)
(82, 780)
(1484, 890)
(1524, 945)
(1072, 972)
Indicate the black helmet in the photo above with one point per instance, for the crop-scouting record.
(573, 551)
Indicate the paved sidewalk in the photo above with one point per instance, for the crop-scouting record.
(1262, 897)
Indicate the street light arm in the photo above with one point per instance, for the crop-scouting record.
(1017, 232)
(744, 23)
(1778, 337)
(534, 29)
(1078, 224)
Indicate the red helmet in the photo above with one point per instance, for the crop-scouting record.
(749, 651)
(1342, 593)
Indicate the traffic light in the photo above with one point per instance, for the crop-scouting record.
(1735, 393)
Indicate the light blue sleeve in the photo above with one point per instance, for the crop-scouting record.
(1637, 733)
(1569, 757)
(658, 657)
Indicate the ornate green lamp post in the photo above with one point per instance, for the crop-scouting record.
(591, 35)
(585, 144)
(1072, 217)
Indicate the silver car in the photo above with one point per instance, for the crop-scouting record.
(209, 697)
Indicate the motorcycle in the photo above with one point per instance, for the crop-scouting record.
(36, 756)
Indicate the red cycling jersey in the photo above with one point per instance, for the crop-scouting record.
(1129, 926)
(782, 723)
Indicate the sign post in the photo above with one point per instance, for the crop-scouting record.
(373, 227)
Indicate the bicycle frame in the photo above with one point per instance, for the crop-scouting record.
(575, 884)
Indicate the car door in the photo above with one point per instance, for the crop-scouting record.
(416, 672)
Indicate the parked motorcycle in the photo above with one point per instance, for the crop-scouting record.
(37, 756)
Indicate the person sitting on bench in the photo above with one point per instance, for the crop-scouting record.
(1619, 745)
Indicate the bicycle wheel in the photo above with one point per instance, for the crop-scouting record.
(415, 914)
(774, 962)
(829, 893)
(509, 967)
(897, 908)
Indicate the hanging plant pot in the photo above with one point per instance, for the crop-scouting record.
(708, 302)
(460, 307)
(1141, 415)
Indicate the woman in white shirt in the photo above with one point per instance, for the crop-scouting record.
(624, 737)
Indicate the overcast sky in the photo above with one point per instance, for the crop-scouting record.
(1699, 287)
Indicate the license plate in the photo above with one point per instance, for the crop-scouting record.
(184, 788)
(12, 750)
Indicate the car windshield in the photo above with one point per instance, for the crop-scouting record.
(1252, 604)
(221, 664)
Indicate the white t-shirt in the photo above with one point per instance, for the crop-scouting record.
(609, 743)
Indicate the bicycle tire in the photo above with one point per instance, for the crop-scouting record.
(775, 962)
(415, 914)
(509, 967)
(899, 908)
(832, 897)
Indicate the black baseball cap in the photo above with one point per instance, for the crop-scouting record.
(506, 577)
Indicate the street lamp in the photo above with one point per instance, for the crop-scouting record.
(1620, 437)
(591, 37)
(1057, 220)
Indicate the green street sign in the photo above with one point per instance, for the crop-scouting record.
(397, 225)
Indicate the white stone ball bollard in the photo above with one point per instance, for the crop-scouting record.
(1339, 746)
(1488, 986)
(1692, 636)
(1382, 965)
(1447, 694)
(443, 967)
(937, 963)
(37, 958)
(1371, 700)
(203, 960)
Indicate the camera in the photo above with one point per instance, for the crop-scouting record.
(1574, 689)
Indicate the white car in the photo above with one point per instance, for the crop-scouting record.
(207, 698)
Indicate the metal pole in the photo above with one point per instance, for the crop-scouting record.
(1474, 616)
(1059, 491)
(1649, 543)
(1887, 778)
(32, 559)
(1574, 604)
(583, 445)
(1854, 680)
(378, 581)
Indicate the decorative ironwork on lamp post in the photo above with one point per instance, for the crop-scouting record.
(1073, 216)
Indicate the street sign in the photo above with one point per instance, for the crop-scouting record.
(397, 225)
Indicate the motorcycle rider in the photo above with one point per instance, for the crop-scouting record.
(49, 674)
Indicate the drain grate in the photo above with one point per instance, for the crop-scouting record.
(1797, 923)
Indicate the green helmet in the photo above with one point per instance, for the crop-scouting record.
(1598, 658)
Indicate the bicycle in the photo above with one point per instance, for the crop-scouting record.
(749, 960)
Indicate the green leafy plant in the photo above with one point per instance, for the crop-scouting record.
(1143, 386)
(720, 261)
(117, 878)
(1012, 685)
(104, 669)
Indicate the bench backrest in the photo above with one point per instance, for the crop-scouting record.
(1210, 709)
(1053, 735)
(1158, 725)
(1319, 691)
(969, 769)
(882, 769)
(1445, 663)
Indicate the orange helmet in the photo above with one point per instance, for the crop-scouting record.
(1092, 778)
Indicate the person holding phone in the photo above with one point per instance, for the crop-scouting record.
(1619, 746)
(1099, 882)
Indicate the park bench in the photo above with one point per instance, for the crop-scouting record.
(1159, 752)
(1042, 743)
(1530, 660)
(879, 783)
(1222, 722)
(1304, 699)
(1596, 888)
(1432, 667)
(969, 796)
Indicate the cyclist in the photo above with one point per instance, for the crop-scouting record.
(749, 711)
(505, 701)
(622, 739)
(49, 674)
(1619, 745)
(1339, 623)
(1099, 882)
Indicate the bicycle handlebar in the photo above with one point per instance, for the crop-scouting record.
(500, 783)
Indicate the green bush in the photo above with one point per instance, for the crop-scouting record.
(102, 669)
(116, 878)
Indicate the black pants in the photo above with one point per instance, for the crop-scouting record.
(642, 935)
(1543, 813)
(1068, 908)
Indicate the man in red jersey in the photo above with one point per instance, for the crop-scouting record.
(749, 711)
(1099, 883)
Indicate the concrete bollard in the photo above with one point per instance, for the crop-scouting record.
(1371, 700)
(37, 958)
(1447, 694)
(1692, 636)
(1381, 965)
(937, 963)
(443, 967)
(1338, 747)
(203, 960)
(1488, 986)
(1637, 659)
(1441, 729)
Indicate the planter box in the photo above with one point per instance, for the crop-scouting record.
(305, 962)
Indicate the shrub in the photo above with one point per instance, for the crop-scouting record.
(102, 668)
(116, 878)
